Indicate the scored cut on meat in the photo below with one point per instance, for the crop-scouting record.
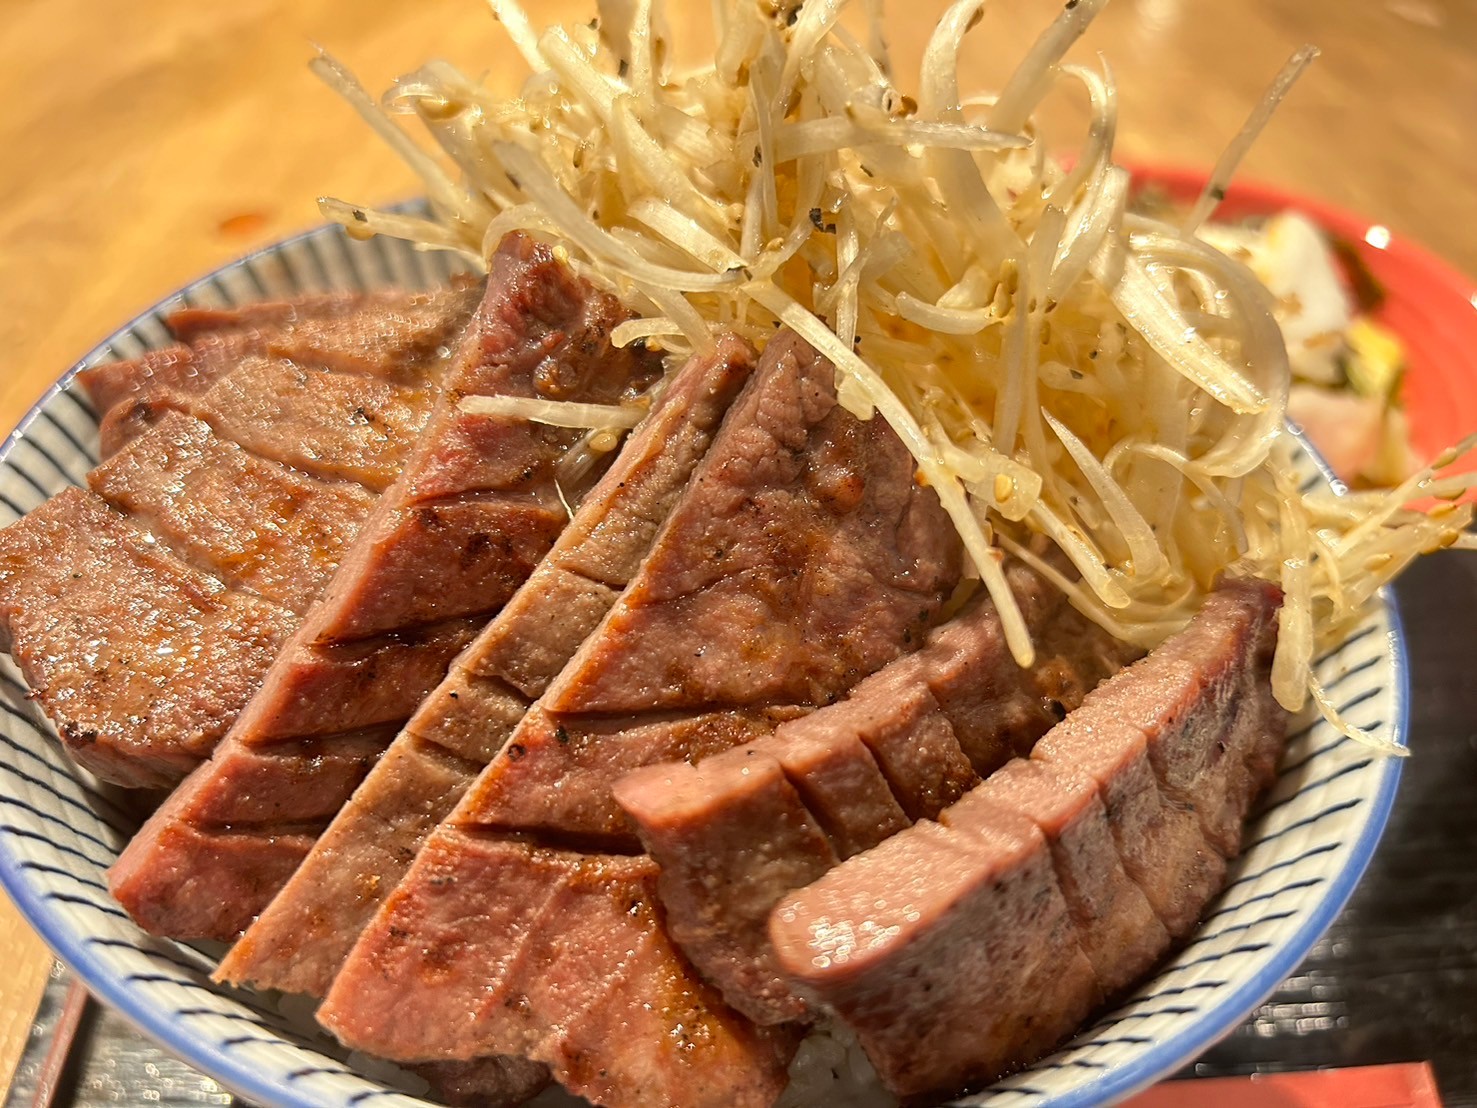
(800, 582)
(401, 338)
(256, 524)
(96, 614)
(300, 939)
(1116, 925)
(945, 987)
(713, 827)
(1175, 799)
(219, 515)
(473, 512)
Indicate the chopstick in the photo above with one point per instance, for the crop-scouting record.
(63, 1036)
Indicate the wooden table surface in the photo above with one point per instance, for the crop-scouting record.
(144, 144)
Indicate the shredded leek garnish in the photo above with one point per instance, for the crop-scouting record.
(1054, 363)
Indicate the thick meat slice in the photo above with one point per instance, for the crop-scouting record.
(258, 525)
(891, 734)
(116, 636)
(896, 717)
(1180, 744)
(803, 513)
(1212, 678)
(1162, 844)
(403, 338)
(252, 524)
(866, 559)
(333, 425)
(838, 780)
(996, 709)
(464, 525)
(1117, 927)
(555, 773)
(557, 956)
(298, 942)
(950, 954)
(173, 372)
(711, 890)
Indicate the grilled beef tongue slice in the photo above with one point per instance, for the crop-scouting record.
(146, 616)
(398, 337)
(1021, 889)
(473, 512)
(1179, 745)
(738, 832)
(137, 695)
(301, 938)
(802, 557)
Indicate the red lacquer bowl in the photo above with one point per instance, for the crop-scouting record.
(1429, 304)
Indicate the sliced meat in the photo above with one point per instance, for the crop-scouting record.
(950, 954)
(1019, 898)
(175, 371)
(800, 581)
(1162, 844)
(333, 425)
(805, 511)
(300, 939)
(193, 324)
(398, 336)
(998, 710)
(896, 717)
(1211, 679)
(555, 774)
(1116, 925)
(1179, 747)
(891, 738)
(257, 524)
(136, 656)
(712, 891)
(474, 511)
(242, 523)
(837, 777)
(533, 922)
(403, 338)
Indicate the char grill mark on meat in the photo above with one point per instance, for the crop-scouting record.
(473, 512)
(113, 633)
(903, 940)
(774, 579)
(256, 524)
(299, 941)
(866, 767)
(196, 653)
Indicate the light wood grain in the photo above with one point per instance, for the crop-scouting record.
(28, 964)
(143, 144)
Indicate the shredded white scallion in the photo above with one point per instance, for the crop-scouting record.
(1056, 364)
(556, 413)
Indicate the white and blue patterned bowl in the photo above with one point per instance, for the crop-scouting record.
(59, 830)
